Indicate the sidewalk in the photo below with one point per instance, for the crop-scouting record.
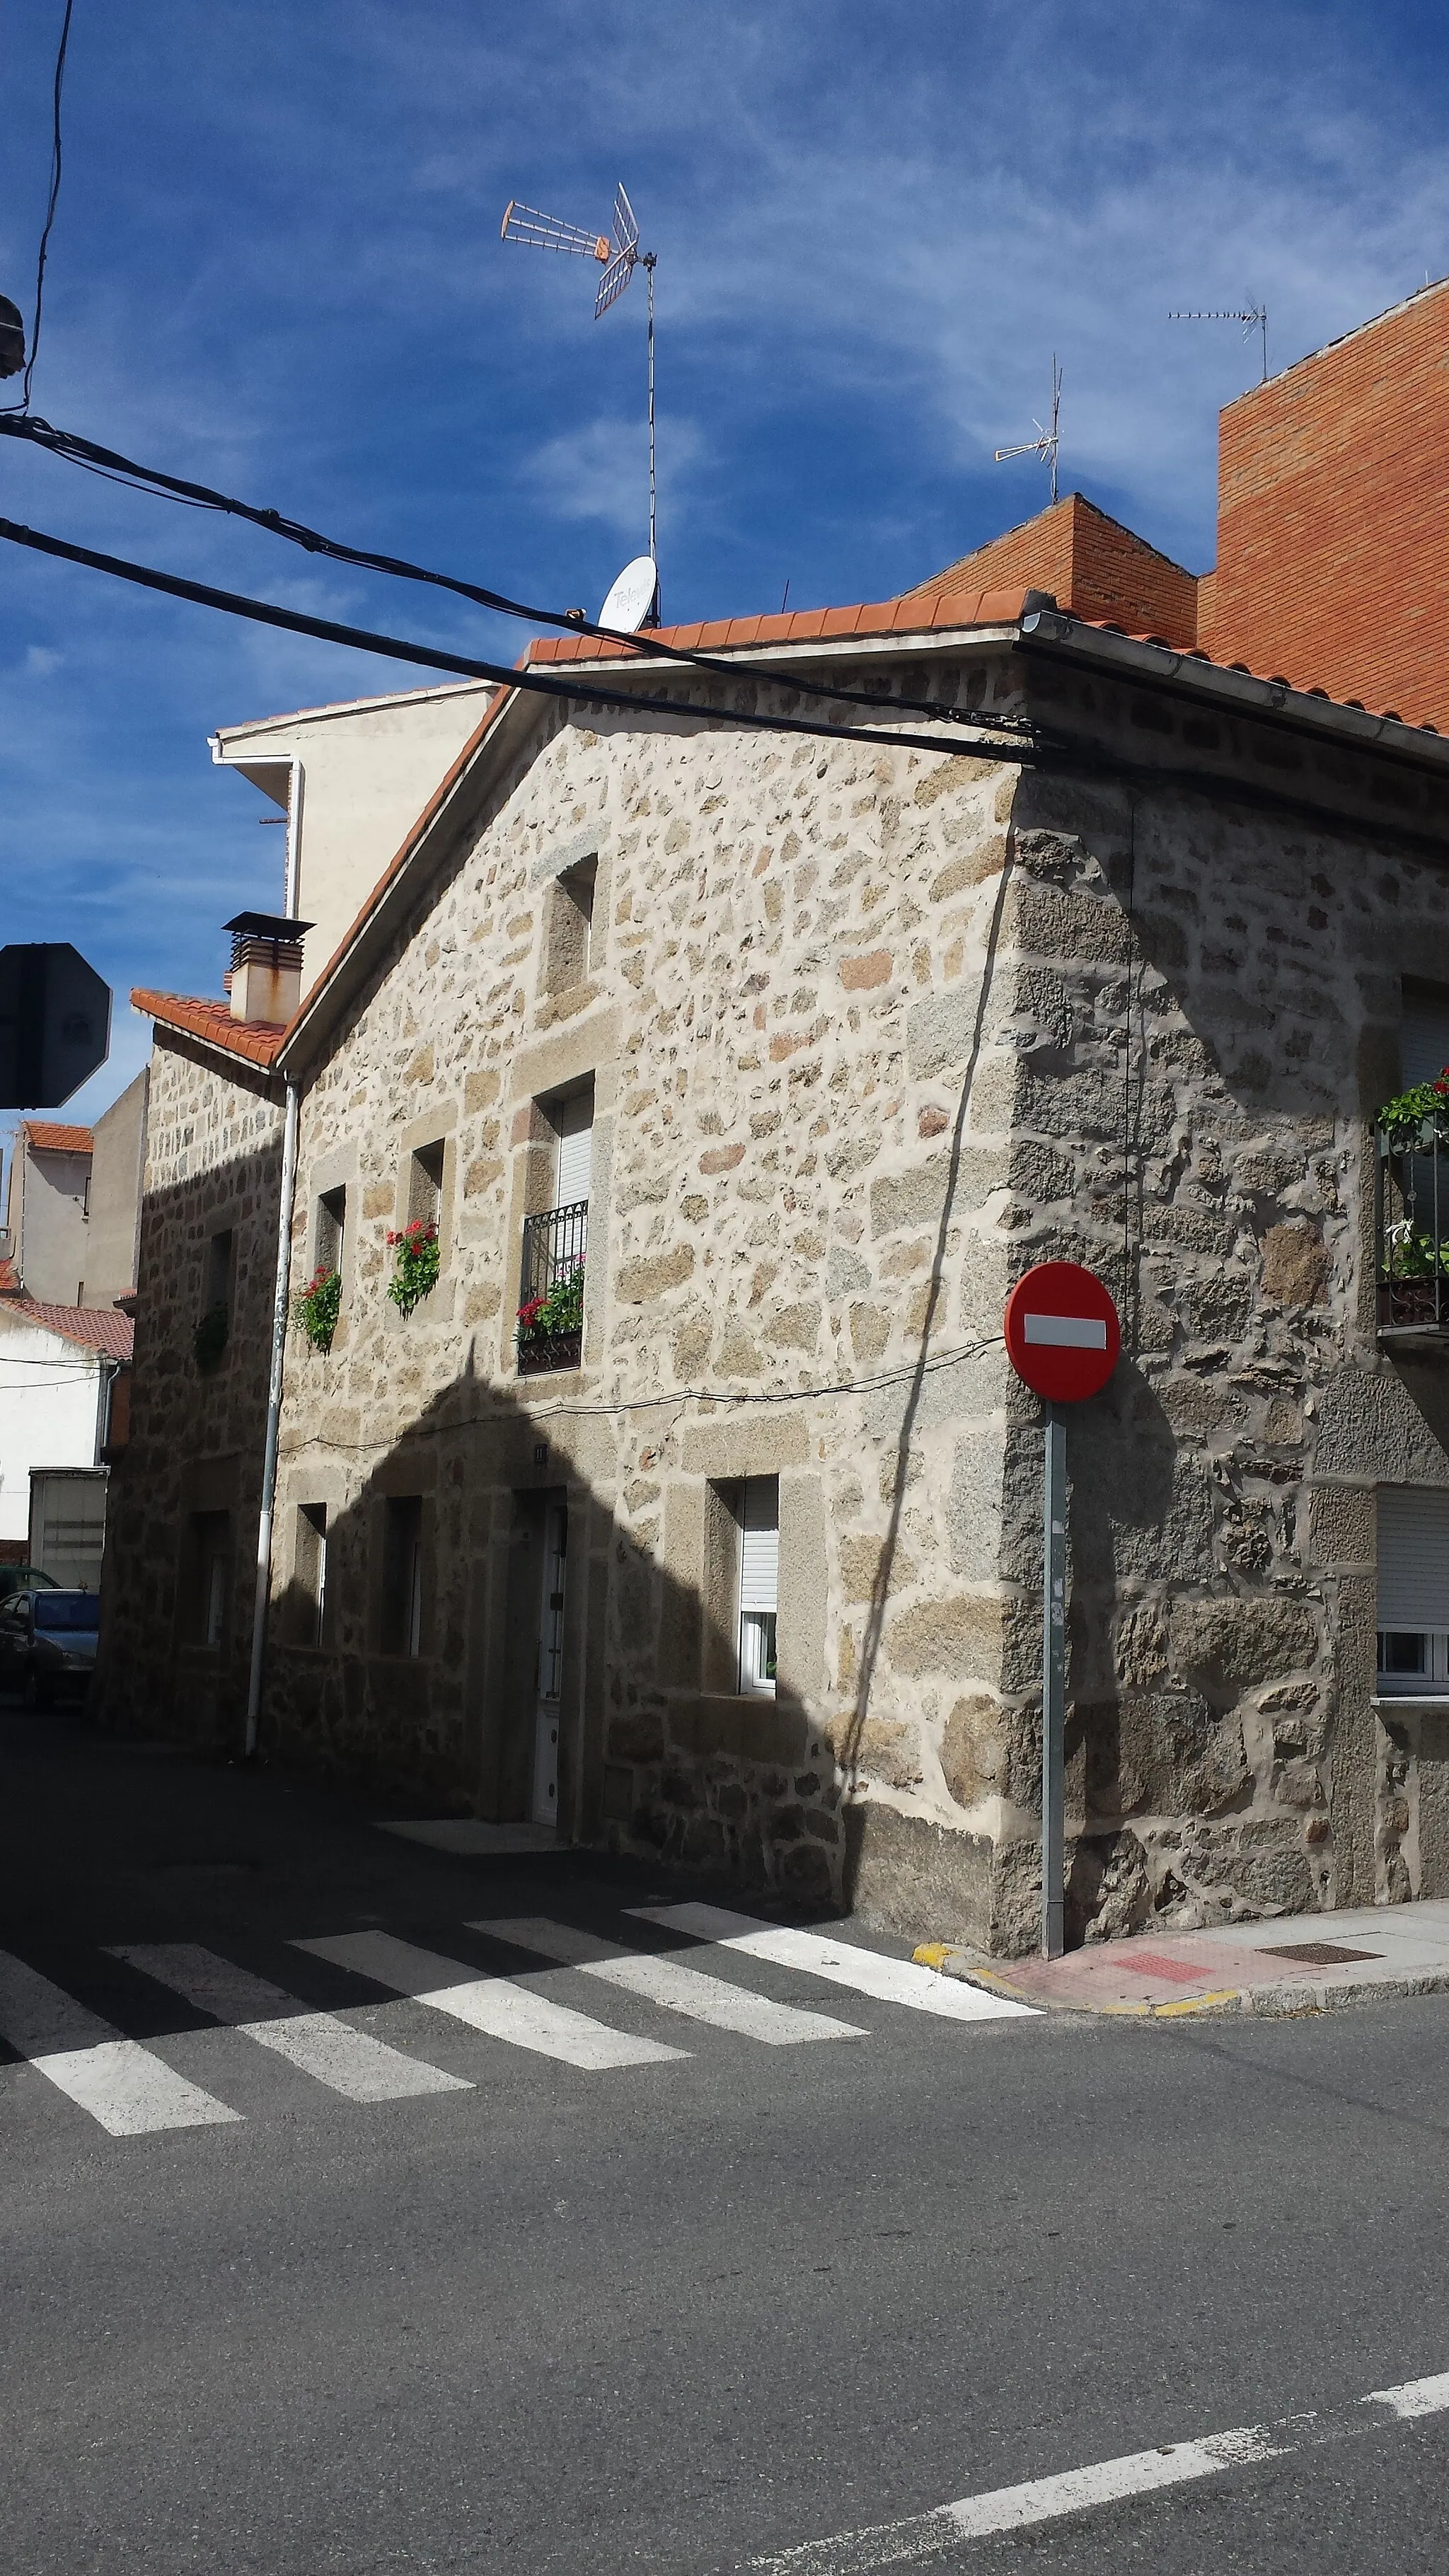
(1298, 1963)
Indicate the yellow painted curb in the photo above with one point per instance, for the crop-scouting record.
(1194, 2003)
(932, 1954)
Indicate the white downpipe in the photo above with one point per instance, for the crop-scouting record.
(274, 1414)
(292, 891)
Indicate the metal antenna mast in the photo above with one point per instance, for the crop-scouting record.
(1046, 441)
(1253, 317)
(618, 254)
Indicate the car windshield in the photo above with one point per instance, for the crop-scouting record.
(67, 1610)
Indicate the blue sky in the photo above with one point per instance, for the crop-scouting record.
(276, 267)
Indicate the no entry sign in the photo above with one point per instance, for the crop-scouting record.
(1062, 1333)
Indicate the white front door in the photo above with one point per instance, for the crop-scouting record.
(550, 1666)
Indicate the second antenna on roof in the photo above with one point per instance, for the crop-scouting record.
(618, 254)
(1046, 441)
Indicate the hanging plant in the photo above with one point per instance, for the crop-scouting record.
(543, 1319)
(415, 1268)
(1416, 1117)
(316, 1307)
(210, 1338)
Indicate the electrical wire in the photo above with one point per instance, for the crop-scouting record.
(428, 657)
(59, 84)
(112, 467)
(440, 1430)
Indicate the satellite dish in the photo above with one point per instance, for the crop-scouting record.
(630, 603)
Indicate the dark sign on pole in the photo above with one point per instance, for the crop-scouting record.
(55, 1023)
(1062, 1337)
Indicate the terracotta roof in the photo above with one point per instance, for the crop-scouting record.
(974, 607)
(9, 1279)
(257, 1040)
(100, 1328)
(48, 1139)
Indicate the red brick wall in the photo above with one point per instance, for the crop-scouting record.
(1333, 519)
(1091, 564)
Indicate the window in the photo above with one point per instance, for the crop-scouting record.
(402, 1575)
(568, 924)
(211, 1560)
(574, 1124)
(1413, 1593)
(759, 1527)
(1423, 1033)
(311, 1569)
(425, 1185)
(220, 1266)
(331, 1230)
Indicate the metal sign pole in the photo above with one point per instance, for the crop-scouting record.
(1054, 1679)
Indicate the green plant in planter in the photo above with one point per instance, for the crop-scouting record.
(541, 1319)
(1411, 1253)
(415, 1268)
(210, 1338)
(316, 1307)
(1417, 1116)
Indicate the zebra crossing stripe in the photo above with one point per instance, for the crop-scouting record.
(667, 1982)
(347, 2060)
(124, 2086)
(842, 1963)
(493, 2005)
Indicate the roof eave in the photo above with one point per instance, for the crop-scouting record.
(1216, 684)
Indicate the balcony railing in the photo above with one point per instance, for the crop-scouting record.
(550, 1329)
(1411, 1231)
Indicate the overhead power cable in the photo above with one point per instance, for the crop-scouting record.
(51, 203)
(429, 657)
(114, 468)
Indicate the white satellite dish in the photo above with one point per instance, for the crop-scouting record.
(630, 603)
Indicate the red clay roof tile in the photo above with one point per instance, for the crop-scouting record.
(48, 1138)
(257, 1040)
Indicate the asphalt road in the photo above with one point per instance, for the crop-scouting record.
(682, 2314)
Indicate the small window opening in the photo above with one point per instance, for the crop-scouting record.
(220, 1262)
(574, 1124)
(331, 1229)
(425, 1185)
(211, 1550)
(759, 1527)
(568, 927)
(402, 1602)
(311, 1563)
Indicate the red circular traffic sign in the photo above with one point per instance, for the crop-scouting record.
(1062, 1333)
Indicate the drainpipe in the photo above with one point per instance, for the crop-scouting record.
(274, 1402)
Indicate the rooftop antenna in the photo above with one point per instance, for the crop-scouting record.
(618, 254)
(1045, 442)
(1253, 317)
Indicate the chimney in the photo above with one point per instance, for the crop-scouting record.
(265, 982)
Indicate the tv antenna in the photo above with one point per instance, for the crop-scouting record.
(618, 254)
(1046, 441)
(1253, 317)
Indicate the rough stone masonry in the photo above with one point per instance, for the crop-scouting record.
(869, 1031)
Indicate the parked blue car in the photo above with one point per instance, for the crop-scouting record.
(48, 1645)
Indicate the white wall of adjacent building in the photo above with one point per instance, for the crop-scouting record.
(51, 1395)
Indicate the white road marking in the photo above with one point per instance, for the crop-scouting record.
(924, 2536)
(347, 2060)
(124, 2086)
(842, 1963)
(492, 2004)
(666, 1982)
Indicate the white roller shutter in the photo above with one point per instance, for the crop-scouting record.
(1413, 1558)
(575, 1148)
(760, 1543)
(1424, 1035)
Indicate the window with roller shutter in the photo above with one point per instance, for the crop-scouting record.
(1413, 1592)
(759, 1518)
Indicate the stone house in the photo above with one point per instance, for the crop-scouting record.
(801, 1049)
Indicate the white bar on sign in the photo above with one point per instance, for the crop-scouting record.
(1068, 1332)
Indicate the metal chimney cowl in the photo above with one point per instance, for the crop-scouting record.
(265, 982)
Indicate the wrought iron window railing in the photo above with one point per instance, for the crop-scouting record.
(1411, 1229)
(550, 1327)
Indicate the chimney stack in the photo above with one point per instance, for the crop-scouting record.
(265, 983)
